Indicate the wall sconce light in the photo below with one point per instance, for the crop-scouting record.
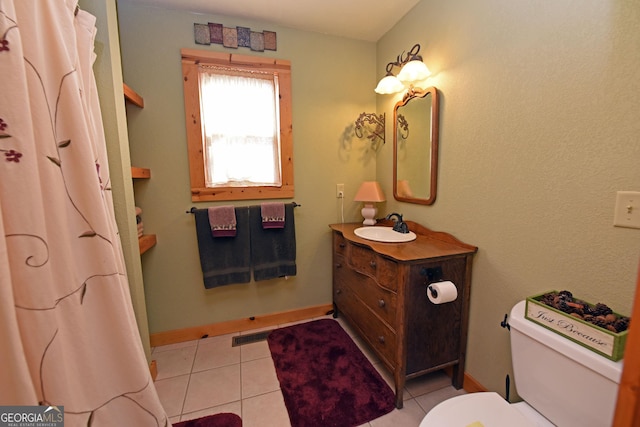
(369, 192)
(412, 70)
(372, 118)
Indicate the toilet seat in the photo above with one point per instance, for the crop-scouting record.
(488, 408)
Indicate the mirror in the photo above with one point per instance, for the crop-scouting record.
(415, 146)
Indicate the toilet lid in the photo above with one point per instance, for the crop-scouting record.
(486, 409)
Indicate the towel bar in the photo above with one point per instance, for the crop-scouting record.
(193, 209)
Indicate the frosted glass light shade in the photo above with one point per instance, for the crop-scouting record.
(414, 71)
(388, 85)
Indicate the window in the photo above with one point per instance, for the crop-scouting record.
(239, 131)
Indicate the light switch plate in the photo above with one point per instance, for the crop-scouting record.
(627, 213)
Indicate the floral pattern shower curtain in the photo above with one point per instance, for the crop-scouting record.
(68, 334)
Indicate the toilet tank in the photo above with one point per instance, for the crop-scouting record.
(565, 382)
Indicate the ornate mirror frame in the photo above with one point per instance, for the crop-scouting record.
(401, 129)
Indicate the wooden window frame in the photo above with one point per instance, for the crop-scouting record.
(199, 192)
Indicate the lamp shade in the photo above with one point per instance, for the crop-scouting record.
(414, 71)
(369, 191)
(388, 85)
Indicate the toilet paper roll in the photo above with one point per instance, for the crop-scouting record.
(442, 292)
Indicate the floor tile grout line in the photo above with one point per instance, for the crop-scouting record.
(186, 392)
(241, 398)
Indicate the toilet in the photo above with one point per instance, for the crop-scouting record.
(562, 383)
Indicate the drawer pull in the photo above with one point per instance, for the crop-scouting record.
(381, 339)
(372, 264)
(342, 245)
(381, 303)
(338, 291)
(338, 265)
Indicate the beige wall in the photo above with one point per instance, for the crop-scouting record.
(332, 83)
(539, 129)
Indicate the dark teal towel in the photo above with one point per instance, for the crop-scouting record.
(224, 260)
(273, 250)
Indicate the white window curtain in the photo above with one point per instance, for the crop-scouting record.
(240, 116)
(67, 326)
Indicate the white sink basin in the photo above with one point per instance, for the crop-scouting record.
(384, 234)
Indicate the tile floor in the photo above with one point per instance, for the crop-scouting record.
(208, 376)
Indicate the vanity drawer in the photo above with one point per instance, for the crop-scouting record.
(377, 334)
(367, 262)
(347, 303)
(339, 244)
(387, 273)
(342, 275)
(380, 300)
(339, 263)
(362, 259)
(342, 296)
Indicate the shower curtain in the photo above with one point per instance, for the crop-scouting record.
(68, 335)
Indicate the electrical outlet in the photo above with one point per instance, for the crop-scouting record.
(627, 213)
(340, 191)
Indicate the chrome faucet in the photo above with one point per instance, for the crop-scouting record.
(399, 225)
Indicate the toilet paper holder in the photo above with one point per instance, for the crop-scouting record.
(442, 292)
(434, 274)
(433, 291)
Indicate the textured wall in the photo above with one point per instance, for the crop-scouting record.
(539, 129)
(332, 81)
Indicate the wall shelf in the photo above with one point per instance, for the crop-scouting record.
(132, 96)
(140, 172)
(146, 242)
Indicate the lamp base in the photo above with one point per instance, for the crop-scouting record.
(369, 213)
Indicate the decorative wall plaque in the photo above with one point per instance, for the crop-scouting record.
(233, 38)
(229, 37)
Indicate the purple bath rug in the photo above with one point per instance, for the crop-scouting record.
(224, 419)
(324, 377)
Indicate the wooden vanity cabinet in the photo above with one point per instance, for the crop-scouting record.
(381, 290)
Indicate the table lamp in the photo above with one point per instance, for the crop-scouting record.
(369, 193)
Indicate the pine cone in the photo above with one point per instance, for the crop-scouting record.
(622, 324)
(547, 299)
(602, 309)
(589, 310)
(599, 321)
(566, 295)
(562, 306)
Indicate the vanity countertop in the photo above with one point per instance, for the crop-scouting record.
(428, 244)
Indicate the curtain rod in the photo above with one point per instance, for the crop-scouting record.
(194, 209)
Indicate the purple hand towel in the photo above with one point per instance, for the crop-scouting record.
(272, 215)
(222, 220)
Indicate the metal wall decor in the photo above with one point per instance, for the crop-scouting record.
(374, 119)
(403, 127)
